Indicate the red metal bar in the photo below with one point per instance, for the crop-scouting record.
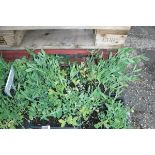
(11, 55)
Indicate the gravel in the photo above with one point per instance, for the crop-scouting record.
(140, 95)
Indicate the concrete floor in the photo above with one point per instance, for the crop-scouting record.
(140, 95)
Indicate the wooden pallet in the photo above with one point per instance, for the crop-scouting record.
(104, 37)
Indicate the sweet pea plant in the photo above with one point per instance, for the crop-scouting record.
(52, 92)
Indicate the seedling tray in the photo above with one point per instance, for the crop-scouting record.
(89, 124)
(101, 97)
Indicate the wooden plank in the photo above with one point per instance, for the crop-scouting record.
(116, 27)
(60, 27)
(120, 30)
(111, 31)
(55, 39)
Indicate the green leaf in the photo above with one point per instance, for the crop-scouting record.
(29, 70)
(62, 122)
(30, 51)
(59, 113)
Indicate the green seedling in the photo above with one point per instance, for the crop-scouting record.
(45, 91)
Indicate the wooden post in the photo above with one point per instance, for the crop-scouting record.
(111, 37)
(10, 38)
